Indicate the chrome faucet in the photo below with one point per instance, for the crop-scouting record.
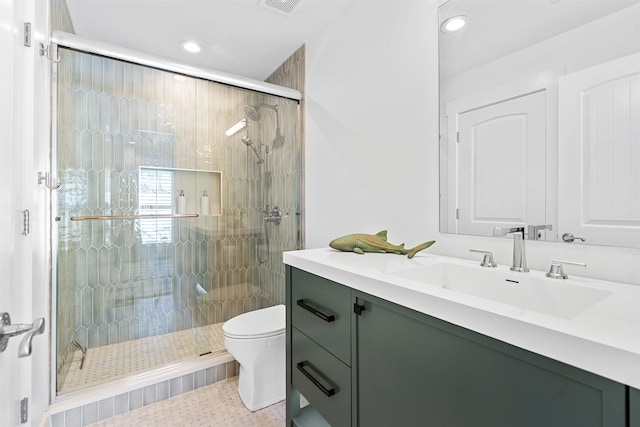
(519, 262)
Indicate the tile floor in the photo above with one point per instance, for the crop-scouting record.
(214, 405)
(119, 360)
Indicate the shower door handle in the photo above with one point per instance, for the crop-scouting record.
(7, 330)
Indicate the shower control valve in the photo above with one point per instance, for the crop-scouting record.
(273, 214)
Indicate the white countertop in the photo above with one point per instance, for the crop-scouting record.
(603, 339)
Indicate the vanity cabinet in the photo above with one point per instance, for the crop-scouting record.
(413, 367)
(402, 367)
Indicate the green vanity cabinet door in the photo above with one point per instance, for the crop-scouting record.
(634, 407)
(410, 369)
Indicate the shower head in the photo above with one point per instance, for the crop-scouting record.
(278, 141)
(246, 140)
(251, 111)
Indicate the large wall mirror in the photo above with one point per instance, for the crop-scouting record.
(540, 119)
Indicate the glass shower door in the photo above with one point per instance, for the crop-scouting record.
(167, 225)
(126, 219)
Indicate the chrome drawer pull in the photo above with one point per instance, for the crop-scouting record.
(323, 316)
(327, 391)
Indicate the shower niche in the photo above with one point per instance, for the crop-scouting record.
(180, 191)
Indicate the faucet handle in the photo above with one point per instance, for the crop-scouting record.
(557, 272)
(487, 260)
(534, 232)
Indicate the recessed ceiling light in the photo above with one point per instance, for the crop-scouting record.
(192, 47)
(454, 24)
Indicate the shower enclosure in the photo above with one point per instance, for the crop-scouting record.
(168, 220)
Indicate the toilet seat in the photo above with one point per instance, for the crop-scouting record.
(263, 323)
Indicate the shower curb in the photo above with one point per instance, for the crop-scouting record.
(101, 402)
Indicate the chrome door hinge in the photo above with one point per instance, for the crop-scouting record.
(457, 213)
(25, 222)
(458, 137)
(24, 410)
(27, 34)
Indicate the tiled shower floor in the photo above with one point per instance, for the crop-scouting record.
(214, 405)
(119, 360)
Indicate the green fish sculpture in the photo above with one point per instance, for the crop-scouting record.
(361, 243)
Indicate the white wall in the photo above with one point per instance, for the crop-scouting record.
(368, 121)
(372, 141)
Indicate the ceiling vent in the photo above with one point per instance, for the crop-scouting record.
(284, 7)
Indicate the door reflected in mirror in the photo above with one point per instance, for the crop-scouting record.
(539, 107)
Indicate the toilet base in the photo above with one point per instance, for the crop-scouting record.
(255, 399)
(269, 389)
(262, 359)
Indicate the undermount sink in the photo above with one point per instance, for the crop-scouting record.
(561, 298)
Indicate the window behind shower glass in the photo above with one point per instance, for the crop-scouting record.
(156, 197)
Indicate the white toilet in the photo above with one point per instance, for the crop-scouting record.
(257, 341)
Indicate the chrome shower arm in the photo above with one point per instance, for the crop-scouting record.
(273, 107)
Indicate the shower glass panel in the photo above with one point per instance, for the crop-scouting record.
(165, 226)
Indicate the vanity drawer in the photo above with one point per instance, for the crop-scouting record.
(320, 309)
(322, 379)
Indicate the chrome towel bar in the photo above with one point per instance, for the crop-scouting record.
(117, 217)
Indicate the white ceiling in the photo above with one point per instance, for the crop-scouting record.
(237, 36)
(500, 27)
(245, 38)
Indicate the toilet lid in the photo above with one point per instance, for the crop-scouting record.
(261, 323)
